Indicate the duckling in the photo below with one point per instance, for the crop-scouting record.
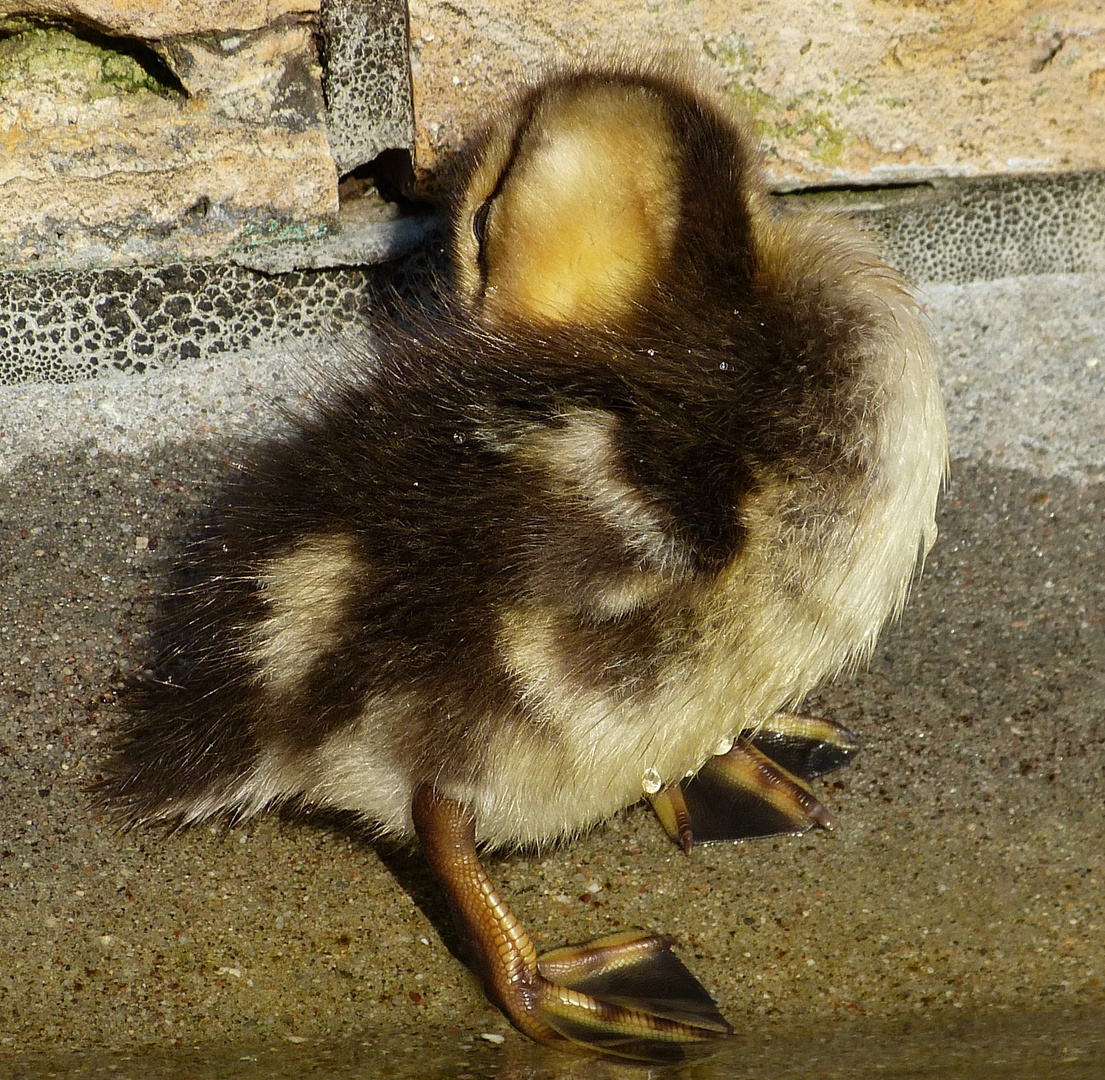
(665, 465)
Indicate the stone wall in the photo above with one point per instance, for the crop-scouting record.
(159, 162)
(139, 133)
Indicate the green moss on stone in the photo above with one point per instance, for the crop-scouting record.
(733, 53)
(803, 118)
(72, 62)
(276, 230)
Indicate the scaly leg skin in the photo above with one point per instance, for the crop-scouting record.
(627, 995)
(757, 788)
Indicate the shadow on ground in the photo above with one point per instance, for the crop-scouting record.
(955, 914)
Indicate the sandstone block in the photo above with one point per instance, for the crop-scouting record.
(151, 19)
(116, 152)
(863, 92)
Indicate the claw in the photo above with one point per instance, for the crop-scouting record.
(758, 788)
(627, 995)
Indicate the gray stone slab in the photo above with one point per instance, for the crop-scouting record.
(68, 325)
(366, 78)
(959, 231)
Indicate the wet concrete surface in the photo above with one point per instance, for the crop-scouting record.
(1036, 1047)
(954, 916)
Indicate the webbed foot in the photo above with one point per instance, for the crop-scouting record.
(627, 994)
(758, 787)
(630, 995)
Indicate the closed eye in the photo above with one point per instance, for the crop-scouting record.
(479, 222)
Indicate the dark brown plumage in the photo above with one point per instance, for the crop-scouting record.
(664, 465)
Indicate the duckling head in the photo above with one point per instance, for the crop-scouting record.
(599, 194)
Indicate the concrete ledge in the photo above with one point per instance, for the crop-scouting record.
(978, 230)
(69, 325)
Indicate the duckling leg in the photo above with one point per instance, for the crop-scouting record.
(627, 994)
(757, 788)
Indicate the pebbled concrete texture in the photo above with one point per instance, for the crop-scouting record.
(70, 325)
(955, 911)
